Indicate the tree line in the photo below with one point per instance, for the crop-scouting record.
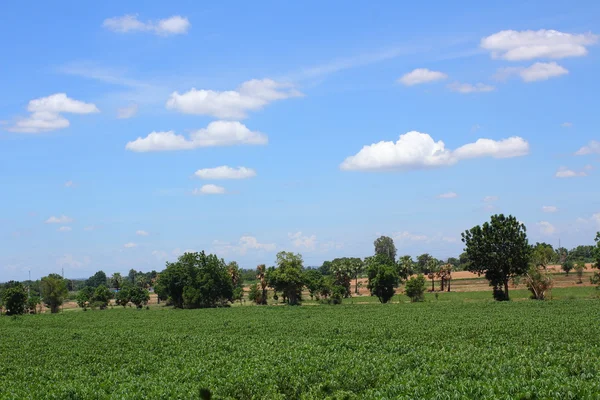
(498, 249)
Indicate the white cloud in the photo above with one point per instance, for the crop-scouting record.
(449, 195)
(564, 172)
(225, 172)
(174, 25)
(596, 218)
(567, 124)
(490, 199)
(63, 219)
(593, 147)
(69, 184)
(528, 45)
(252, 95)
(303, 241)
(64, 229)
(127, 112)
(209, 189)
(159, 254)
(403, 236)
(536, 72)
(415, 150)
(217, 133)
(46, 113)
(466, 88)
(68, 260)
(546, 227)
(129, 245)
(244, 244)
(549, 209)
(141, 233)
(421, 75)
(588, 167)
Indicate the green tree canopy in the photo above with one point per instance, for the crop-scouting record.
(54, 290)
(99, 278)
(384, 246)
(383, 277)
(500, 250)
(288, 277)
(14, 298)
(415, 288)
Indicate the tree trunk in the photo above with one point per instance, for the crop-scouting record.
(432, 285)
(506, 289)
(448, 285)
(442, 289)
(356, 285)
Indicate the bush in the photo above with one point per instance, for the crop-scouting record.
(14, 298)
(415, 288)
(539, 283)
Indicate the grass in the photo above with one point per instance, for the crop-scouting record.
(450, 348)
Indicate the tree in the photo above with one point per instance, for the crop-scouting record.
(342, 271)
(122, 297)
(500, 250)
(84, 296)
(101, 297)
(116, 281)
(54, 290)
(567, 266)
(464, 262)
(432, 270)
(314, 281)
(254, 294)
(14, 298)
(139, 296)
(415, 288)
(561, 255)
(356, 266)
(542, 254)
(33, 301)
(579, 268)
(261, 276)
(99, 278)
(383, 277)
(131, 276)
(325, 269)
(539, 282)
(235, 272)
(196, 280)
(423, 262)
(444, 272)
(405, 266)
(595, 279)
(455, 262)
(384, 246)
(288, 277)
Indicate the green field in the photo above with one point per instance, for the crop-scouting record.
(445, 350)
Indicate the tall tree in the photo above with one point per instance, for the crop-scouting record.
(500, 250)
(383, 277)
(116, 281)
(356, 266)
(235, 272)
(14, 298)
(405, 266)
(432, 270)
(343, 272)
(288, 277)
(595, 279)
(444, 272)
(54, 290)
(99, 278)
(542, 254)
(261, 276)
(423, 262)
(384, 246)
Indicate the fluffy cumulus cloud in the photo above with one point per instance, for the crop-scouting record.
(546, 227)
(127, 112)
(549, 209)
(130, 245)
(63, 219)
(209, 189)
(416, 150)
(528, 45)
(421, 75)
(217, 133)
(225, 172)
(46, 113)
(537, 72)
(593, 147)
(175, 25)
(252, 95)
(466, 88)
(141, 233)
(69, 184)
(65, 229)
(564, 172)
(448, 195)
(300, 240)
(490, 199)
(408, 236)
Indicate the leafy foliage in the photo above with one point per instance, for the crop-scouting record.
(54, 290)
(500, 250)
(384, 246)
(383, 277)
(539, 282)
(14, 298)
(99, 278)
(288, 277)
(415, 288)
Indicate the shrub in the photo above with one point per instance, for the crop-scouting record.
(415, 288)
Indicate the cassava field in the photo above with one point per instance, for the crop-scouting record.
(449, 347)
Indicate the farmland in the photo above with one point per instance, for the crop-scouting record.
(436, 349)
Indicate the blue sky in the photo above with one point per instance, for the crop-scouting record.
(132, 132)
